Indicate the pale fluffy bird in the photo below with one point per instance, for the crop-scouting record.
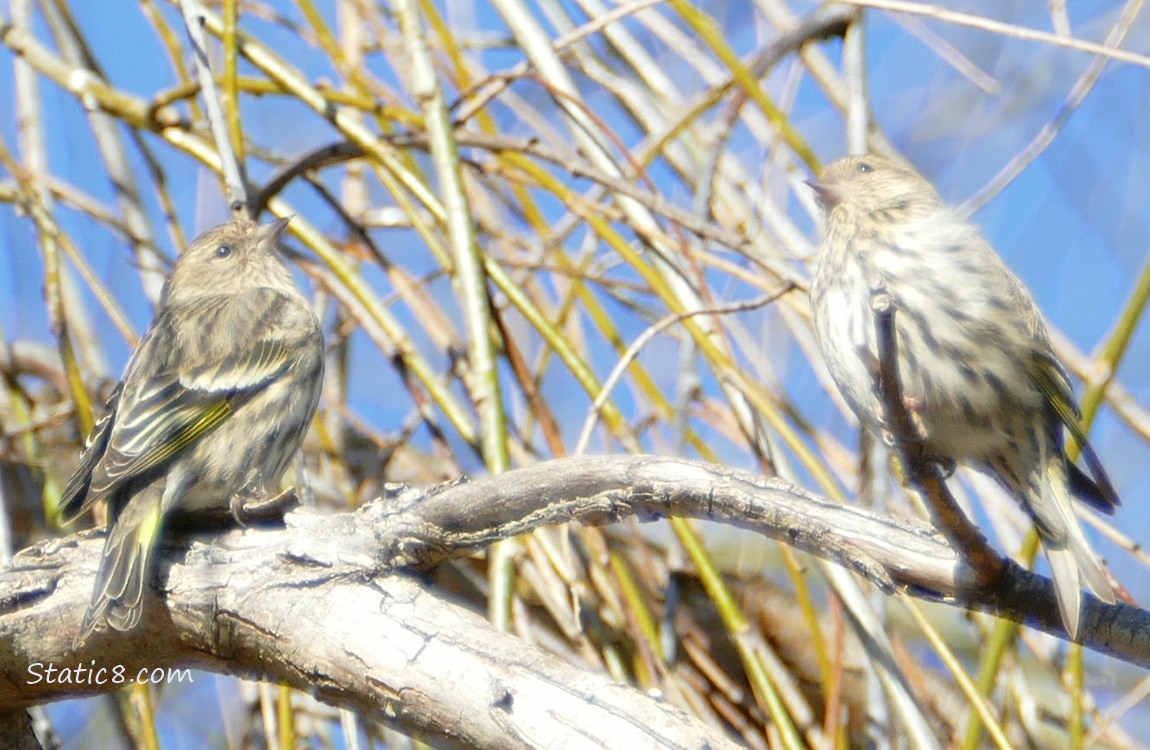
(976, 366)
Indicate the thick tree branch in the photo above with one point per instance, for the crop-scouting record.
(320, 604)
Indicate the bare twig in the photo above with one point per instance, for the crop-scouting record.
(641, 341)
(920, 469)
(234, 173)
(1004, 29)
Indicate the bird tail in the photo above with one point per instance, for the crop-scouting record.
(1072, 562)
(118, 594)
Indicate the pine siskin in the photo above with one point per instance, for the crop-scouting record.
(215, 400)
(977, 370)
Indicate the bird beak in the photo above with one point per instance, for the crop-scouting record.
(271, 232)
(825, 193)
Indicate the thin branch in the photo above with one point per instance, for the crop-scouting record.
(1005, 29)
(1046, 135)
(637, 346)
(235, 178)
(920, 469)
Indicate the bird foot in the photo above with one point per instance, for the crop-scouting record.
(254, 506)
(914, 408)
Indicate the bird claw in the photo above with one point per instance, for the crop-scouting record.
(254, 506)
(946, 466)
(914, 408)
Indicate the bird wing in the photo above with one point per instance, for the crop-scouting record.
(72, 501)
(194, 367)
(1051, 379)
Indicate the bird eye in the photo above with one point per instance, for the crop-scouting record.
(223, 251)
(864, 167)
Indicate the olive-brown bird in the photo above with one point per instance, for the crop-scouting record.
(978, 373)
(215, 401)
